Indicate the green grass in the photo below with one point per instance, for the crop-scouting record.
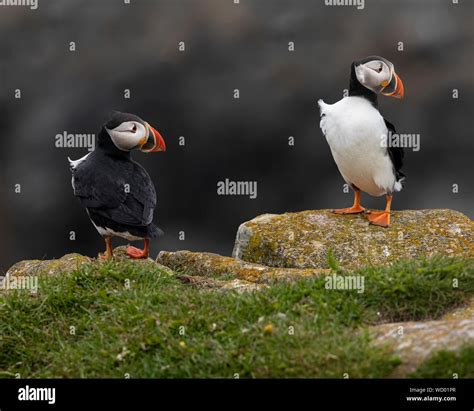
(136, 330)
(445, 364)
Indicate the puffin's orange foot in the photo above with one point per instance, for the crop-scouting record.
(105, 256)
(349, 210)
(109, 253)
(134, 252)
(380, 218)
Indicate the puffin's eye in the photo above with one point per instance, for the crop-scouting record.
(379, 69)
(134, 128)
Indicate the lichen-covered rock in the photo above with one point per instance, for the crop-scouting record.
(71, 262)
(414, 342)
(66, 263)
(224, 285)
(214, 265)
(303, 240)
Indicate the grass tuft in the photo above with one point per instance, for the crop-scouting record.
(446, 364)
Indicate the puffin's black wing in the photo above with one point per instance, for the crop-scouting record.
(142, 198)
(99, 191)
(125, 195)
(396, 153)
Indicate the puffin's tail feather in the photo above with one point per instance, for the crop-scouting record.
(399, 184)
(322, 107)
(154, 231)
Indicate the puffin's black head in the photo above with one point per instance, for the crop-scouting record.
(129, 132)
(378, 75)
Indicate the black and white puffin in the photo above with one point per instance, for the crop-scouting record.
(357, 135)
(117, 192)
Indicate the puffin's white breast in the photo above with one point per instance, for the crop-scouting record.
(355, 130)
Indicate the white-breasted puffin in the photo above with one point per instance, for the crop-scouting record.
(358, 134)
(117, 192)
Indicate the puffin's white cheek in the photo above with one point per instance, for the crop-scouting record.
(360, 73)
(373, 79)
(125, 140)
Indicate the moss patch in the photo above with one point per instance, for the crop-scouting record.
(220, 267)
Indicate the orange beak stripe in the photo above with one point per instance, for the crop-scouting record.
(160, 142)
(399, 91)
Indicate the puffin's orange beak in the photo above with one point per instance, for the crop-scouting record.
(154, 142)
(394, 88)
(160, 143)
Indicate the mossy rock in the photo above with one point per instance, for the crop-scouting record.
(303, 240)
(217, 266)
(206, 283)
(71, 262)
(66, 263)
(414, 342)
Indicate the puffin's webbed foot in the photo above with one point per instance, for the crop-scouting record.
(350, 210)
(134, 252)
(380, 218)
(356, 207)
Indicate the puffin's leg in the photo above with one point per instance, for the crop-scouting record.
(134, 252)
(381, 218)
(108, 249)
(355, 209)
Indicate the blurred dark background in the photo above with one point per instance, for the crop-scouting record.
(228, 46)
